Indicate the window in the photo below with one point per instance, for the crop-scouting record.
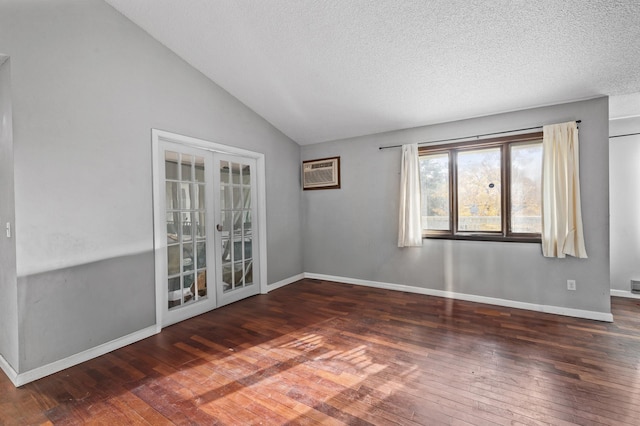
(483, 190)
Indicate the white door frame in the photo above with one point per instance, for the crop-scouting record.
(159, 231)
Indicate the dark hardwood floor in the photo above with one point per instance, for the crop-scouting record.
(319, 352)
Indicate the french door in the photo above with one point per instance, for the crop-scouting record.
(234, 189)
(206, 211)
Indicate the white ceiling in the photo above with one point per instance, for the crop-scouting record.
(624, 106)
(322, 70)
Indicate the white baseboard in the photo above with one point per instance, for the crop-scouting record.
(54, 367)
(625, 293)
(8, 370)
(19, 379)
(284, 282)
(558, 310)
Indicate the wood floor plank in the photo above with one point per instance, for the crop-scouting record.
(318, 352)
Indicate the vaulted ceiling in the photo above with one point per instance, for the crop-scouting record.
(322, 70)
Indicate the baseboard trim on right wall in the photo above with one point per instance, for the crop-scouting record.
(558, 310)
(284, 282)
(625, 293)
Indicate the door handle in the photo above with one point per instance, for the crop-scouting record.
(219, 227)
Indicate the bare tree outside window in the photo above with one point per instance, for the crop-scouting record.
(434, 180)
(484, 190)
(526, 188)
(479, 190)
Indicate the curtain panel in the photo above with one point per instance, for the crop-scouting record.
(409, 223)
(562, 232)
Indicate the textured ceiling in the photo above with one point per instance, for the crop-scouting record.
(624, 106)
(321, 70)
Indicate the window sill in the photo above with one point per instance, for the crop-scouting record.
(484, 237)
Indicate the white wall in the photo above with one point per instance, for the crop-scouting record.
(352, 232)
(88, 87)
(8, 288)
(624, 193)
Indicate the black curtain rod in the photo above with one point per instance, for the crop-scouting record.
(620, 136)
(475, 136)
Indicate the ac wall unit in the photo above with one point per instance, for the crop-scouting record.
(321, 174)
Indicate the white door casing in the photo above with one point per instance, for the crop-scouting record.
(191, 295)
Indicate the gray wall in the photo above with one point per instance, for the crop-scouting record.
(624, 192)
(352, 232)
(88, 86)
(8, 289)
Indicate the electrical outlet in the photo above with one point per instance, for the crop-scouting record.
(571, 284)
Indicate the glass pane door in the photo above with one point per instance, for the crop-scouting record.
(236, 236)
(186, 196)
(206, 246)
(186, 228)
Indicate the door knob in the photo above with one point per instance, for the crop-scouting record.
(219, 227)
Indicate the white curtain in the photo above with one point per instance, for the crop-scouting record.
(409, 224)
(561, 212)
